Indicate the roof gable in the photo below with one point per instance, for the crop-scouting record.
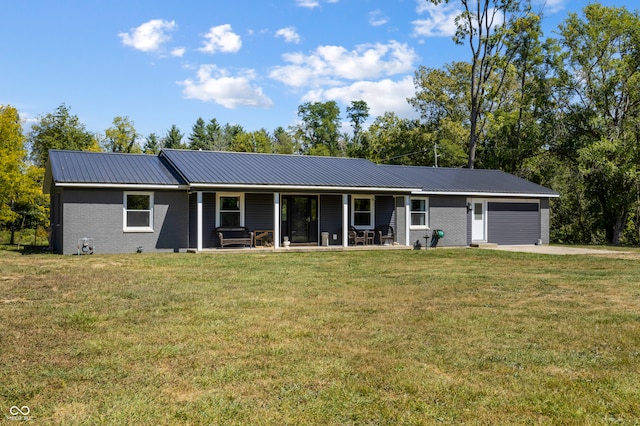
(101, 168)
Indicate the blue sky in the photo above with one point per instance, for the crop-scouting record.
(251, 63)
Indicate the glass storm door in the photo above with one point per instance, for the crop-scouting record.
(478, 221)
(300, 218)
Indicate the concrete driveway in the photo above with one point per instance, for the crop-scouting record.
(558, 250)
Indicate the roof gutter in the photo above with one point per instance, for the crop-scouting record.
(120, 185)
(489, 194)
(312, 188)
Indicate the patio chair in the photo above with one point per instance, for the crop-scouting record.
(385, 234)
(356, 236)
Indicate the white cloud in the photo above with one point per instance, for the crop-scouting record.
(149, 36)
(289, 34)
(551, 6)
(377, 18)
(221, 39)
(216, 85)
(380, 96)
(308, 3)
(178, 52)
(329, 65)
(441, 20)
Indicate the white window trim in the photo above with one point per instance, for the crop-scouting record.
(426, 213)
(372, 217)
(126, 228)
(229, 194)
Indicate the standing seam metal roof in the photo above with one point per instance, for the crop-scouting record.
(211, 168)
(450, 180)
(233, 168)
(110, 168)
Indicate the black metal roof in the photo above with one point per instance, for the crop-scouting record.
(228, 169)
(80, 167)
(252, 169)
(467, 181)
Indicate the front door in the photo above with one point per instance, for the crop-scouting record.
(479, 220)
(300, 218)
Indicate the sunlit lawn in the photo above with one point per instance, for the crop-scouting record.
(387, 337)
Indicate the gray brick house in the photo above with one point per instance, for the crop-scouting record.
(175, 201)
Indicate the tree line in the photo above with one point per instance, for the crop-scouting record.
(563, 112)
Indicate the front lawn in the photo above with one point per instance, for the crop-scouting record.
(385, 337)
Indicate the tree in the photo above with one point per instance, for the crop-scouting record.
(22, 202)
(59, 130)
(152, 144)
(319, 130)
(358, 113)
(121, 136)
(601, 77)
(12, 161)
(258, 141)
(227, 134)
(524, 107)
(442, 99)
(483, 25)
(283, 143)
(173, 140)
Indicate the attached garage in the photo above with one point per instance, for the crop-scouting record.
(513, 223)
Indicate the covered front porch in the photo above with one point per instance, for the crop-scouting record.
(300, 220)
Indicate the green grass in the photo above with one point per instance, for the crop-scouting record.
(385, 337)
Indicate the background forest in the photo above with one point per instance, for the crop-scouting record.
(563, 112)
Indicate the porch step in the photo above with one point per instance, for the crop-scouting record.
(483, 245)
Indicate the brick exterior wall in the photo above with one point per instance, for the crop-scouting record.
(98, 214)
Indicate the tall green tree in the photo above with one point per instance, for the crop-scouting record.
(319, 130)
(395, 140)
(357, 113)
(59, 130)
(121, 136)
(227, 134)
(483, 26)
(151, 144)
(601, 111)
(283, 143)
(173, 139)
(12, 162)
(442, 99)
(258, 141)
(22, 202)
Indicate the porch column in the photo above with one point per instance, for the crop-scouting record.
(407, 219)
(199, 198)
(276, 220)
(345, 220)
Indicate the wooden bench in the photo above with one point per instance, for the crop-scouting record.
(234, 235)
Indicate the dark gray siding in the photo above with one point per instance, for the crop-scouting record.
(258, 211)
(209, 237)
(513, 223)
(56, 220)
(400, 222)
(544, 220)
(331, 217)
(193, 220)
(98, 214)
(386, 213)
(450, 215)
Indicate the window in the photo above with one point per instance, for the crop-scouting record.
(138, 212)
(362, 212)
(230, 210)
(419, 213)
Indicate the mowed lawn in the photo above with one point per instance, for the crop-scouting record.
(445, 336)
